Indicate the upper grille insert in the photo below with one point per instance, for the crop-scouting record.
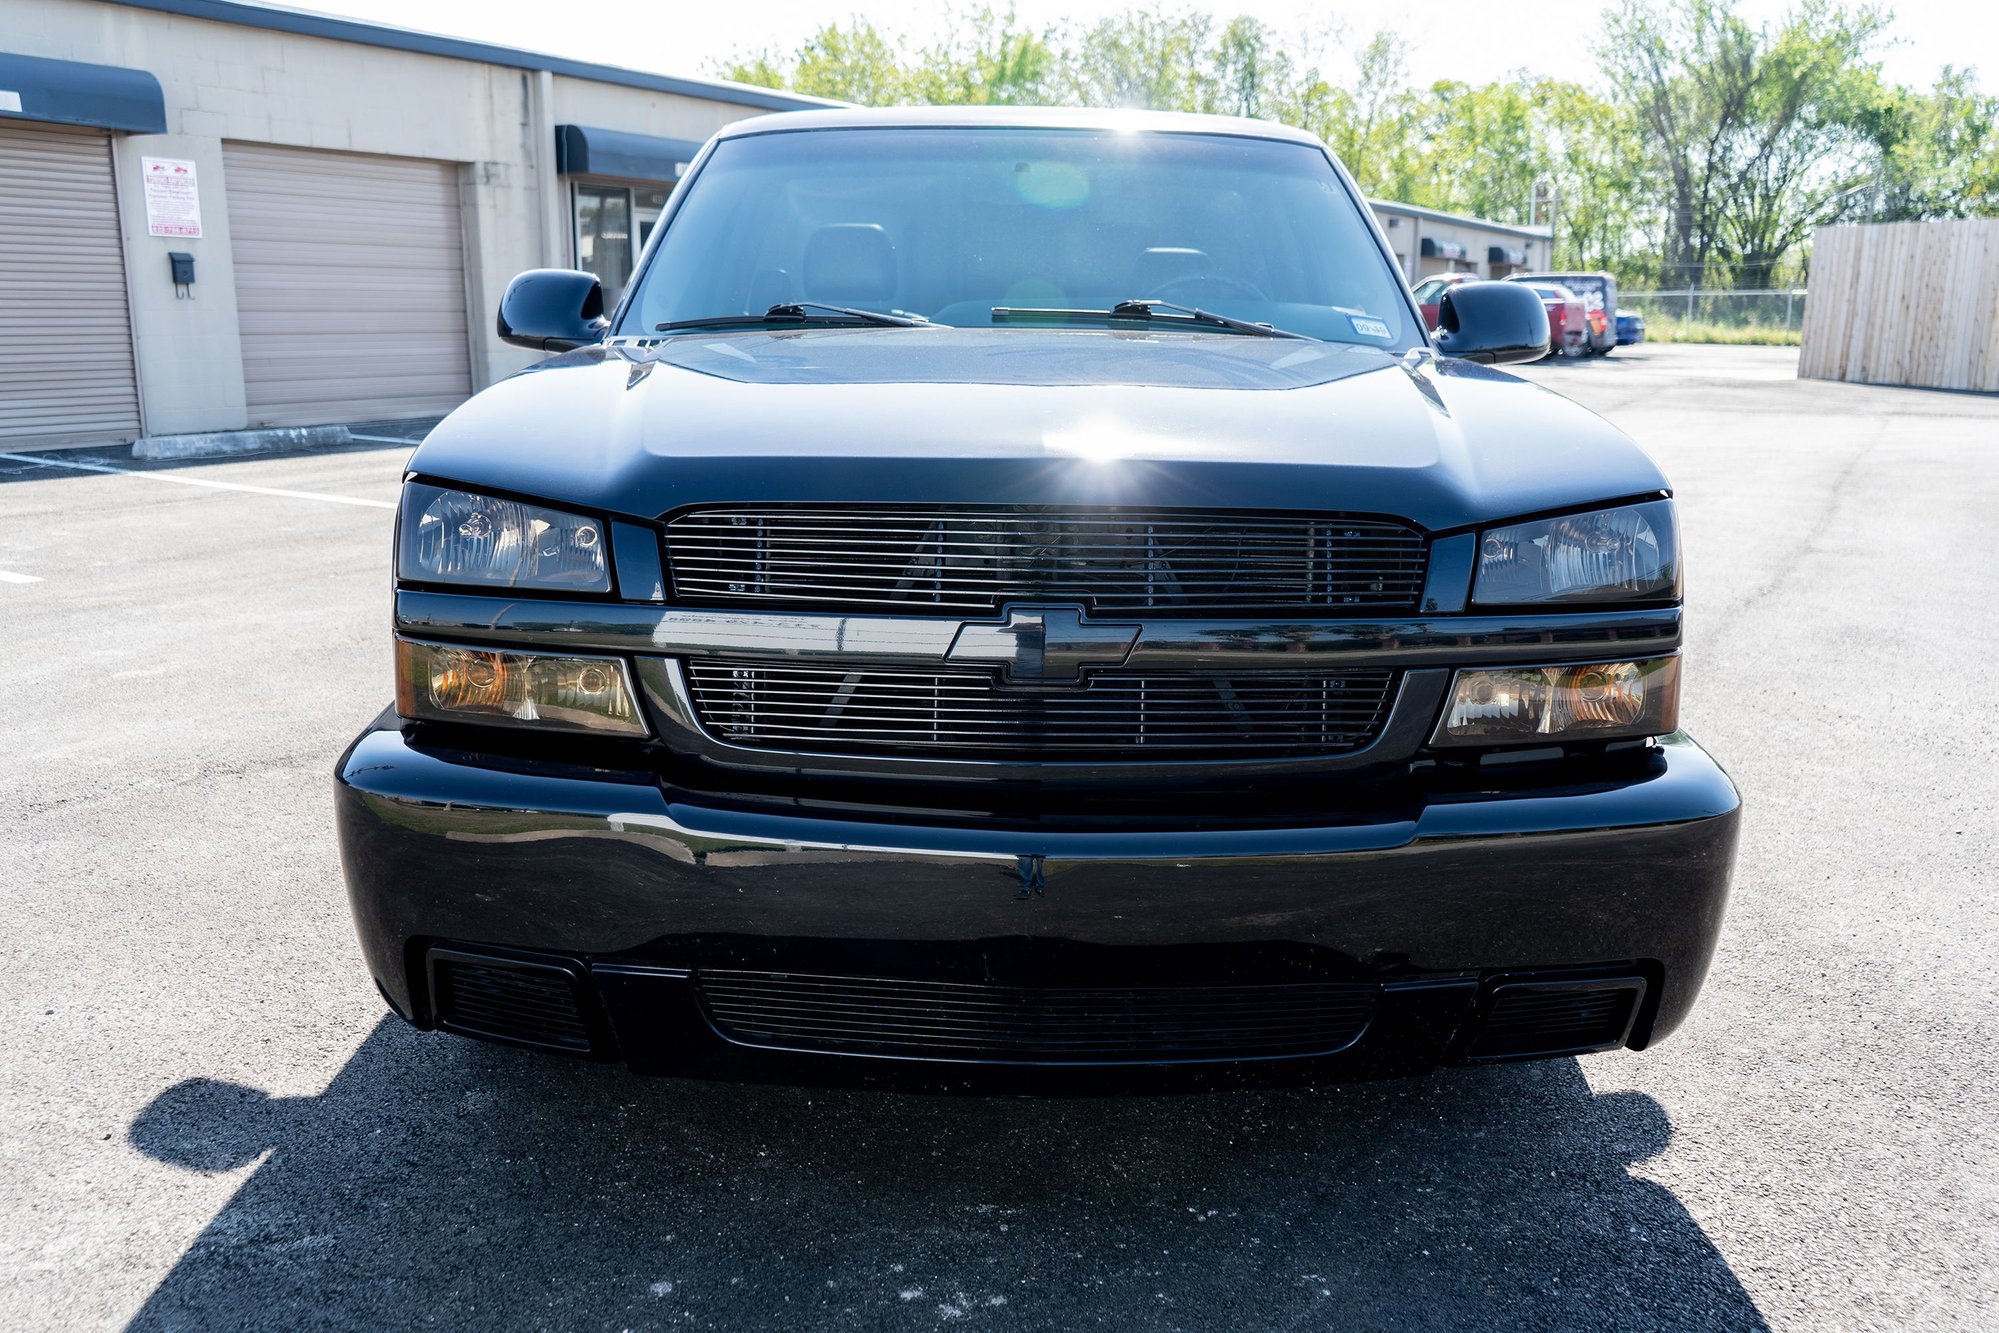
(979, 557)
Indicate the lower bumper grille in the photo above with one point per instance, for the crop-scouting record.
(1033, 1025)
(529, 1004)
(1114, 716)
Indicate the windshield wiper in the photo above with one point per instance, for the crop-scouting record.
(797, 312)
(1147, 310)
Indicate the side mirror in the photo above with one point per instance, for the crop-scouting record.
(1496, 323)
(553, 310)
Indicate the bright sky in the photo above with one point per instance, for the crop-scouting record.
(1472, 40)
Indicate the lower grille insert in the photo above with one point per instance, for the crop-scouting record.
(1033, 1025)
(530, 1004)
(1112, 716)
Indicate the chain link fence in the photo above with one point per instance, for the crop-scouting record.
(1768, 315)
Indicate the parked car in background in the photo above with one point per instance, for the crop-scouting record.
(1630, 329)
(1431, 290)
(1568, 319)
(1599, 294)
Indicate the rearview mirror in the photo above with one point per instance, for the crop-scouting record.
(553, 310)
(1496, 323)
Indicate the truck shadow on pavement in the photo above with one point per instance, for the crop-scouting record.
(444, 1182)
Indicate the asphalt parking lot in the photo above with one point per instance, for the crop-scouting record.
(208, 1121)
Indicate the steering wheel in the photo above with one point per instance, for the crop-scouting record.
(1233, 286)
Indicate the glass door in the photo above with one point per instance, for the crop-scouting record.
(604, 235)
(647, 203)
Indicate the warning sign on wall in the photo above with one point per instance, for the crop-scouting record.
(173, 207)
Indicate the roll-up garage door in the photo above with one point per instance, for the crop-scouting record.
(350, 285)
(65, 335)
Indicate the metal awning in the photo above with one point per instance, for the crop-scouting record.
(585, 150)
(69, 92)
(1436, 249)
(1505, 254)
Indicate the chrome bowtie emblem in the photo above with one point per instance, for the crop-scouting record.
(1043, 645)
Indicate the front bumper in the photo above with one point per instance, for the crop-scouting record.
(635, 889)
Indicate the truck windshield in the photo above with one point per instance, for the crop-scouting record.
(950, 225)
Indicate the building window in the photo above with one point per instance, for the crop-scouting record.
(612, 225)
(647, 203)
(604, 235)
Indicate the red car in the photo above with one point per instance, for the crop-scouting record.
(1568, 319)
(1431, 289)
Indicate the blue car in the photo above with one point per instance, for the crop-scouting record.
(1630, 329)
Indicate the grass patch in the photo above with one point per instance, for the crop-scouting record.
(1666, 329)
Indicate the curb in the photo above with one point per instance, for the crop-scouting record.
(221, 444)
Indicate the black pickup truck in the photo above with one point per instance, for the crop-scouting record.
(1016, 599)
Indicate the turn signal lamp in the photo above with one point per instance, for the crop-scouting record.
(440, 682)
(1571, 702)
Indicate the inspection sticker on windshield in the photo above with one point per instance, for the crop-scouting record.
(1369, 327)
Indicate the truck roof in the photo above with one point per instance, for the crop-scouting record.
(1014, 117)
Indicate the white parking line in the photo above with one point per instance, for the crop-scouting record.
(9, 576)
(196, 481)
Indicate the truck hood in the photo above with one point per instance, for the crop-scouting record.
(943, 415)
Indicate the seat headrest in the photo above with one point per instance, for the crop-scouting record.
(850, 263)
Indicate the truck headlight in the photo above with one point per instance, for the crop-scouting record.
(451, 536)
(441, 682)
(1608, 555)
(1572, 702)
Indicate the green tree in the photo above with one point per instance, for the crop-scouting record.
(1815, 111)
(993, 61)
(1139, 59)
(850, 62)
(1688, 68)
(1756, 132)
(1248, 72)
(1605, 182)
(1486, 146)
(766, 69)
(1372, 120)
(1940, 151)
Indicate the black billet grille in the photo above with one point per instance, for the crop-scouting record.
(978, 558)
(1114, 715)
(530, 1003)
(978, 1021)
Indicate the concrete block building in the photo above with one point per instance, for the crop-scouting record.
(1428, 242)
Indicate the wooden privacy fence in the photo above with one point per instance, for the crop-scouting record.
(1913, 303)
